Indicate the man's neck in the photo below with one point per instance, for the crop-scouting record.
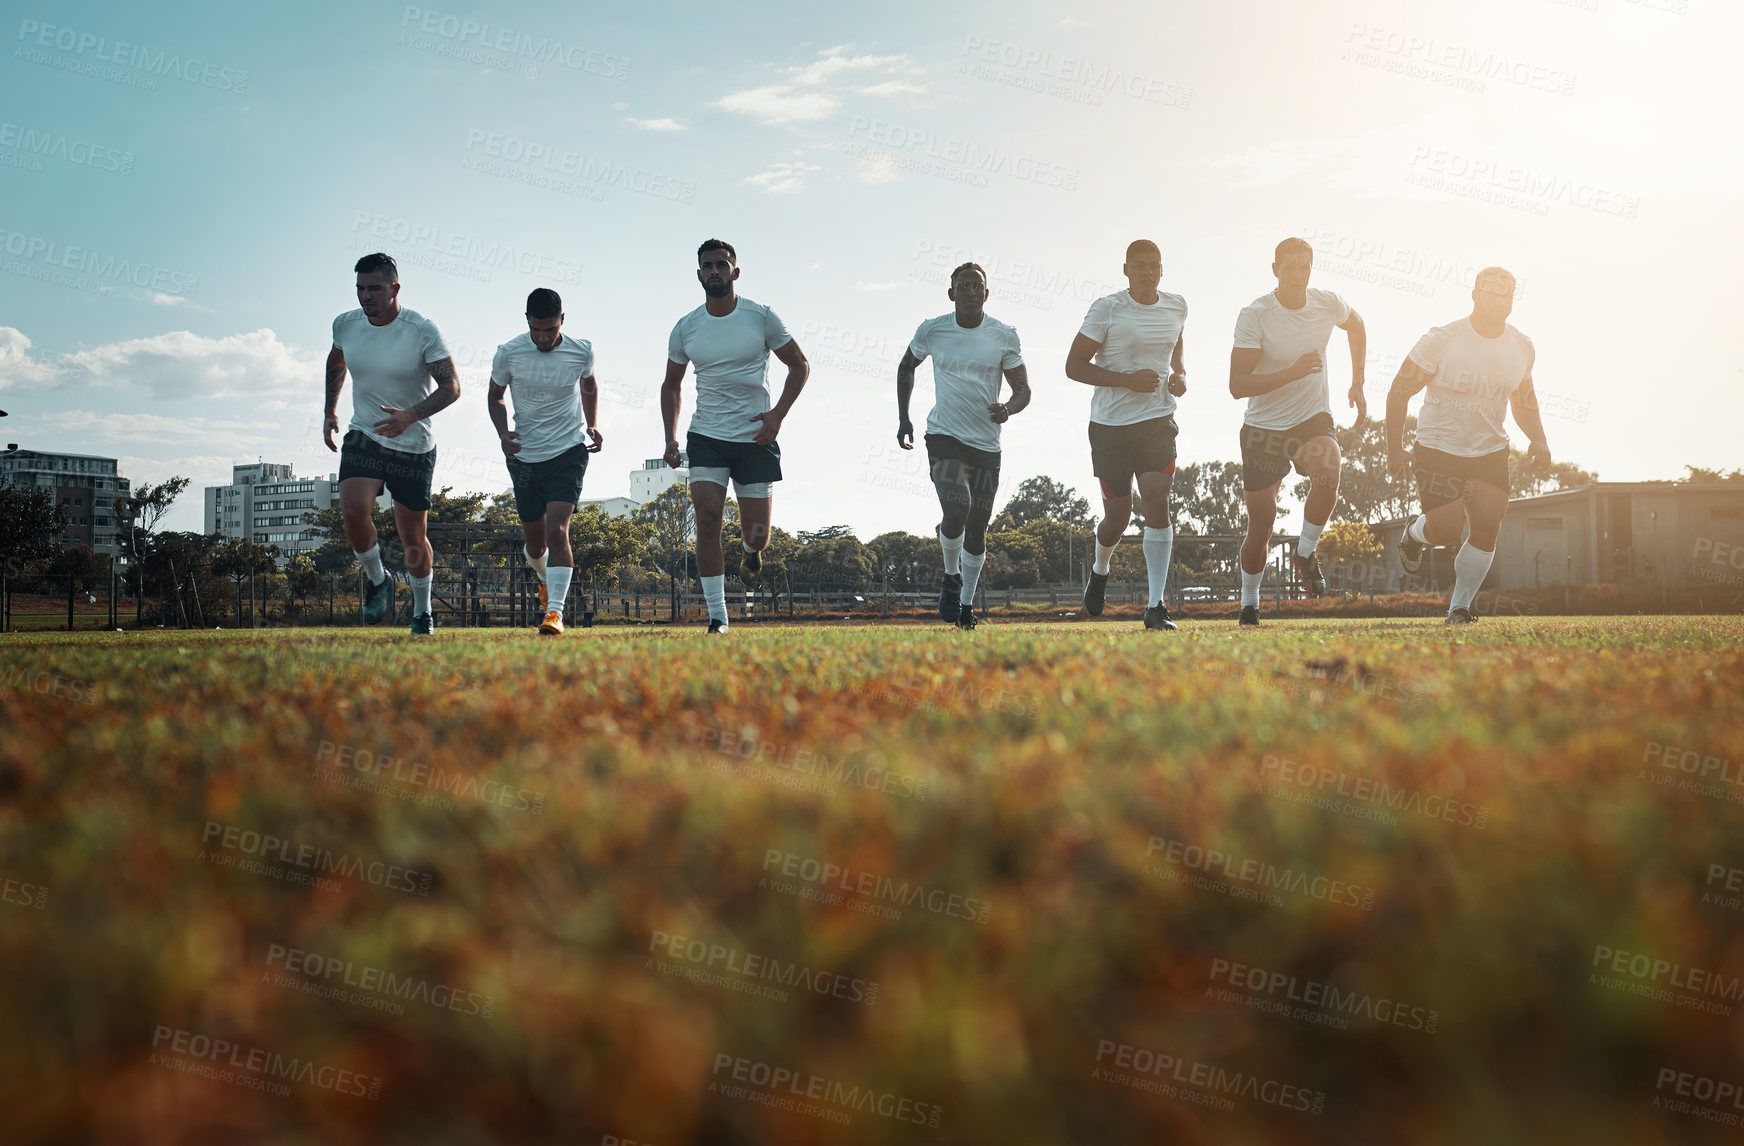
(970, 321)
(1489, 328)
(1144, 298)
(723, 306)
(389, 312)
(1291, 300)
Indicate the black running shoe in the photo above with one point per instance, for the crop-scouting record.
(376, 599)
(716, 625)
(966, 618)
(749, 566)
(423, 625)
(1250, 617)
(1157, 618)
(950, 596)
(1096, 593)
(1308, 568)
(1410, 551)
(1460, 617)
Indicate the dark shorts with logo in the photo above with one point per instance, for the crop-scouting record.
(954, 462)
(1120, 453)
(537, 484)
(1267, 456)
(1443, 477)
(407, 476)
(745, 462)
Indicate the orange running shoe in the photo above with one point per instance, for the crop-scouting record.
(544, 597)
(552, 625)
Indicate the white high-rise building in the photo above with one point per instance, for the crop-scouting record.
(655, 477)
(265, 502)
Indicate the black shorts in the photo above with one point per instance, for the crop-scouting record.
(1444, 478)
(745, 462)
(954, 462)
(1120, 453)
(407, 476)
(1267, 456)
(537, 484)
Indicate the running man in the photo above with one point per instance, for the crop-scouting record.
(1474, 369)
(551, 375)
(1134, 336)
(1278, 365)
(971, 351)
(732, 433)
(394, 355)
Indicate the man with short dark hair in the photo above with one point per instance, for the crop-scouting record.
(551, 375)
(1278, 365)
(733, 430)
(971, 351)
(394, 355)
(1475, 369)
(1129, 342)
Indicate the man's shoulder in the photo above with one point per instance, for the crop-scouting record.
(1327, 299)
(347, 320)
(515, 345)
(574, 345)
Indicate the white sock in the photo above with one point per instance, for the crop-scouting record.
(421, 593)
(1104, 554)
(1250, 588)
(557, 582)
(714, 591)
(952, 548)
(1415, 530)
(538, 563)
(372, 563)
(1158, 545)
(1469, 566)
(972, 563)
(1310, 538)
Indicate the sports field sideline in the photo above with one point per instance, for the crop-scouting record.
(1040, 883)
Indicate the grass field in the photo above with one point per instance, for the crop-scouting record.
(1330, 881)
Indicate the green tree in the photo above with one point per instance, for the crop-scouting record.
(302, 580)
(1042, 497)
(82, 565)
(137, 516)
(831, 561)
(671, 523)
(1700, 473)
(336, 558)
(602, 542)
(1528, 482)
(1014, 558)
(912, 562)
(30, 527)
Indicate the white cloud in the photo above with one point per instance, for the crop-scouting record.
(110, 427)
(178, 364)
(784, 177)
(665, 123)
(808, 92)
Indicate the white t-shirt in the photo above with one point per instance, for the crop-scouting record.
(390, 366)
(1282, 335)
(1133, 337)
(1466, 402)
(547, 396)
(968, 363)
(731, 354)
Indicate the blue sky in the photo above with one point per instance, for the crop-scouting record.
(185, 190)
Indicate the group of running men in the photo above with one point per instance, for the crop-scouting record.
(1128, 350)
